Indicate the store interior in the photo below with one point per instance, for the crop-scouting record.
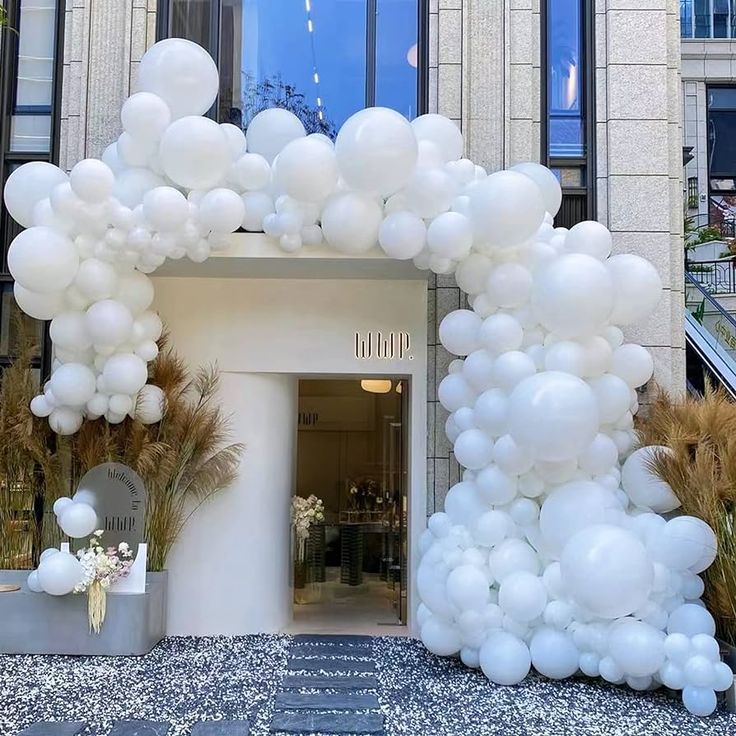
(351, 454)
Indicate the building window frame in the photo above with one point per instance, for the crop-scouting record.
(9, 159)
(163, 31)
(587, 162)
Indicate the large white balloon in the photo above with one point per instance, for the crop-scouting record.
(306, 169)
(458, 331)
(553, 415)
(271, 130)
(350, 223)
(607, 570)
(43, 260)
(78, 520)
(637, 288)
(441, 132)
(221, 211)
(182, 74)
(553, 653)
(194, 153)
(109, 323)
(507, 208)
(573, 296)
(73, 384)
(145, 116)
(504, 658)
(376, 151)
(39, 306)
(124, 373)
(402, 235)
(92, 180)
(547, 182)
(642, 486)
(58, 574)
(636, 647)
(27, 186)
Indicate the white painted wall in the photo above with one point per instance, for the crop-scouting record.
(229, 572)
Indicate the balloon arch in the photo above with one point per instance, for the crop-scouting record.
(551, 552)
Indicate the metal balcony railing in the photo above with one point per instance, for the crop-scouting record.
(716, 277)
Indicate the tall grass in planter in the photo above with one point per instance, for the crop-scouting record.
(183, 460)
(701, 470)
(31, 469)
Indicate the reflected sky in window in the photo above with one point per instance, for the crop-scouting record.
(316, 58)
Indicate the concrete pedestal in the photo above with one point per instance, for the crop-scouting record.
(37, 623)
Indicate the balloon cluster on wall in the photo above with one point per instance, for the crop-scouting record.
(60, 572)
(551, 552)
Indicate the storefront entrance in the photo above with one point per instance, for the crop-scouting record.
(350, 573)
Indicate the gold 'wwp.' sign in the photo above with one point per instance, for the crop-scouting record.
(383, 345)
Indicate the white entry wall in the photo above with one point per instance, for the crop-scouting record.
(229, 572)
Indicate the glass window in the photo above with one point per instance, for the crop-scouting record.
(565, 78)
(708, 18)
(34, 89)
(397, 56)
(721, 133)
(191, 19)
(321, 59)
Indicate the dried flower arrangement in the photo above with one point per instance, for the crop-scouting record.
(701, 470)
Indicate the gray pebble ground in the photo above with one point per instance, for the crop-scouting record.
(185, 680)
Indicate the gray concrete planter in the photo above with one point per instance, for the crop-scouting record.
(36, 623)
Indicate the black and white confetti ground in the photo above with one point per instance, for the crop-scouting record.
(185, 680)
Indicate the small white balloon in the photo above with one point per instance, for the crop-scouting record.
(402, 235)
(271, 130)
(60, 573)
(78, 520)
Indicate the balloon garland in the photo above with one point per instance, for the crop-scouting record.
(551, 552)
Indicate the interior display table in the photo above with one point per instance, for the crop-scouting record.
(352, 538)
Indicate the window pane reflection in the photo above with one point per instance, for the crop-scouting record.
(190, 19)
(565, 82)
(308, 56)
(397, 56)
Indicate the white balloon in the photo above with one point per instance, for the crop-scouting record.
(462, 504)
(637, 288)
(512, 367)
(109, 323)
(92, 180)
(504, 658)
(494, 486)
(250, 172)
(124, 373)
(492, 528)
(402, 235)
(472, 273)
(591, 238)
(96, 279)
(553, 415)
(509, 285)
(145, 116)
(182, 74)
(150, 404)
(135, 291)
(473, 449)
(194, 153)
(613, 397)
(271, 130)
(636, 647)
(522, 596)
(512, 556)
(430, 192)
(42, 260)
(306, 169)
(65, 421)
(376, 151)
(27, 186)
(439, 637)
(68, 331)
(691, 619)
(573, 296)
(78, 520)
(547, 182)
(683, 543)
(132, 184)
(59, 573)
(700, 701)
(633, 363)
(39, 306)
(442, 132)
(165, 208)
(235, 139)
(221, 211)
(607, 570)
(450, 235)
(33, 583)
(458, 331)
(40, 406)
(506, 208)
(350, 223)
(642, 486)
(570, 508)
(467, 588)
(500, 333)
(73, 384)
(553, 653)
(599, 456)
